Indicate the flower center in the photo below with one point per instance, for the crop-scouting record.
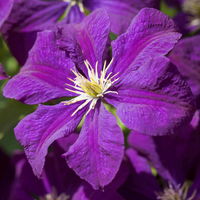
(176, 193)
(93, 88)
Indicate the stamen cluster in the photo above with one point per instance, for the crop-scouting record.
(54, 196)
(176, 193)
(92, 88)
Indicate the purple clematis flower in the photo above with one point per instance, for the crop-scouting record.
(186, 56)
(29, 17)
(176, 159)
(148, 92)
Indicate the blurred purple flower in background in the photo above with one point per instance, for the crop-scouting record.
(188, 19)
(148, 92)
(28, 17)
(176, 159)
(58, 182)
(141, 183)
(186, 56)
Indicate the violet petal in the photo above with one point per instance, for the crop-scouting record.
(37, 131)
(155, 100)
(150, 34)
(87, 40)
(97, 154)
(44, 75)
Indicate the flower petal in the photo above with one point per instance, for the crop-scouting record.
(150, 34)
(121, 12)
(155, 99)
(186, 56)
(39, 130)
(6, 7)
(44, 75)
(87, 40)
(97, 154)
